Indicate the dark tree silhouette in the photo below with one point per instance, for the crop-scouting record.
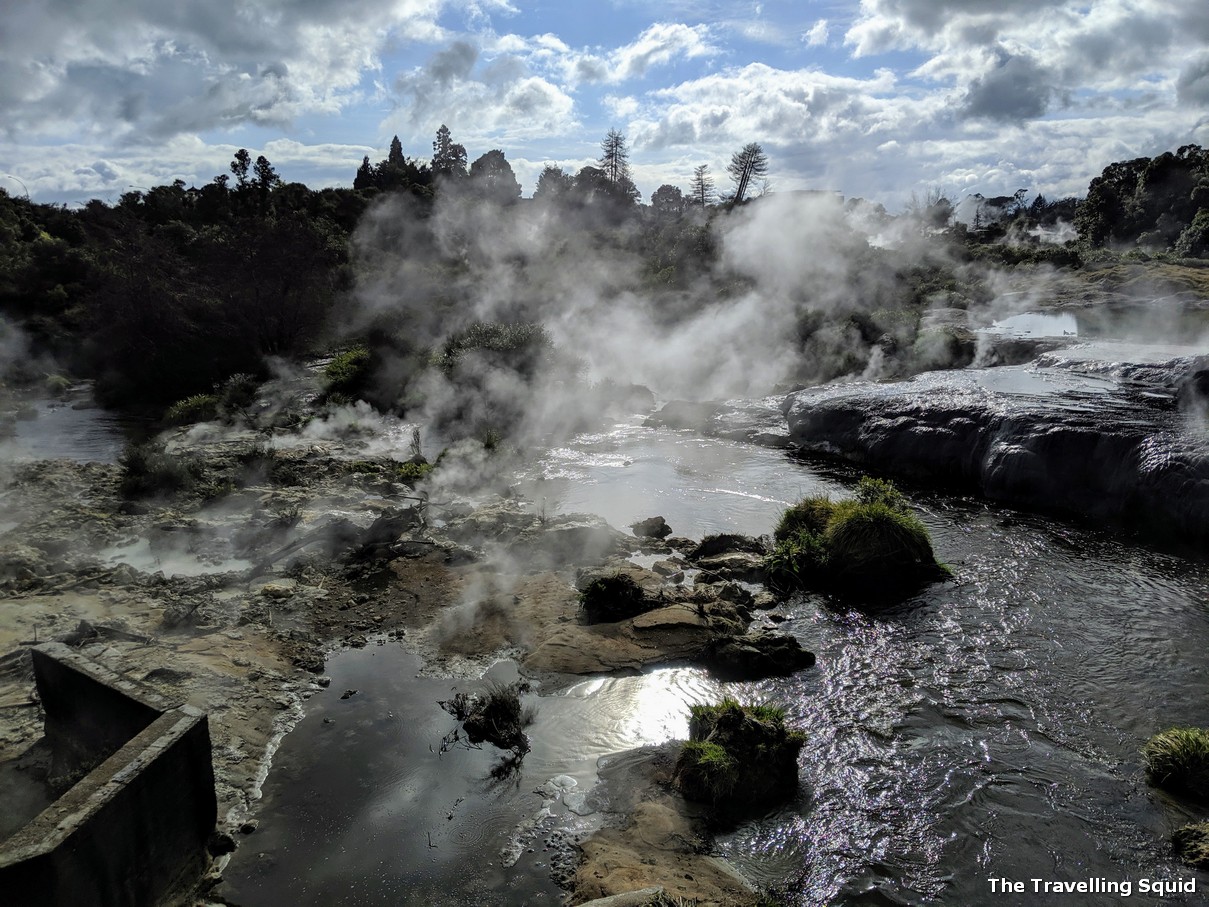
(748, 164)
(702, 189)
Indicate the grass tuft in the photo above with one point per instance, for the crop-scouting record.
(1177, 760)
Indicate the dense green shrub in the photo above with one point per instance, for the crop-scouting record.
(198, 408)
(1177, 760)
(348, 372)
(809, 515)
(872, 544)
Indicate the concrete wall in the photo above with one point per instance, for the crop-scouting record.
(136, 826)
(90, 712)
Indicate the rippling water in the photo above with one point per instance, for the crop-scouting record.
(989, 727)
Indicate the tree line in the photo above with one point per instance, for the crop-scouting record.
(175, 288)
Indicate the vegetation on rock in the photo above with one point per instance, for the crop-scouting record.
(607, 599)
(870, 546)
(1191, 844)
(1177, 760)
(738, 758)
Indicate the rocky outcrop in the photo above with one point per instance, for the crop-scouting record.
(1076, 433)
(756, 655)
(655, 527)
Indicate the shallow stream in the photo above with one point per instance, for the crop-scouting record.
(990, 727)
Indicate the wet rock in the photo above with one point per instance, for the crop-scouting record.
(680, 543)
(348, 694)
(725, 543)
(1072, 434)
(670, 567)
(755, 656)
(566, 540)
(220, 844)
(652, 527)
(737, 565)
(683, 414)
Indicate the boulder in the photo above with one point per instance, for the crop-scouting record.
(683, 414)
(738, 565)
(653, 527)
(756, 655)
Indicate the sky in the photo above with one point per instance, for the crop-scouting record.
(881, 99)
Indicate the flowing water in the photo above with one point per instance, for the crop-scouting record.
(989, 727)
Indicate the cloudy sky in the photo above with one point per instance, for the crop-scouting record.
(877, 98)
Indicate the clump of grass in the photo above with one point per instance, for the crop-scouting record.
(519, 345)
(147, 470)
(198, 408)
(738, 757)
(807, 515)
(348, 373)
(57, 385)
(496, 715)
(1191, 844)
(871, 544)
(874, 543)
(607, 599)
(1177, 760)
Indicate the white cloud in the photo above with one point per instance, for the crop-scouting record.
(818, 34)
(151, 68)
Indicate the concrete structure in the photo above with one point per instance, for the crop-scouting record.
(135, 826)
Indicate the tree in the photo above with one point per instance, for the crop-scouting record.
(748, 164)
(240, 167)
(395, 155)
(668, 201)
(702, 189)
(614, 157)
(365, 178)
(493, 176)
(448, 157)
(553, 183)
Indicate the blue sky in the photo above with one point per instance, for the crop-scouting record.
(879, 98)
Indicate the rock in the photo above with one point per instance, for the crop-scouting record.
(755, 656)
(348, 694)
(652, 527)
(738, 565)
(669, 568)
(725, 543)
(680, 543)
(1070, 434)
(683, 414)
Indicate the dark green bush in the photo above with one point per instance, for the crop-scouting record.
(872, 544)
(198, 408)
(612, 598)
(348, 373)
(807, 515)
(1177, 760)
